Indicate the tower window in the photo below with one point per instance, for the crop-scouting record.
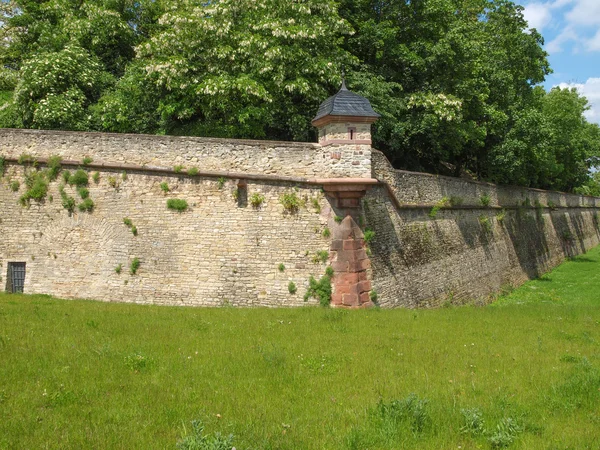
(15, 281)
(352, 133)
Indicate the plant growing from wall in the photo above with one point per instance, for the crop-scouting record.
(87, 161)
(177, 204)
(256, 200)
(68, 202)
(2, 165)
(369, 235)
(321, 256)
(96, 177)
(292, 289)
(127, 221)
(321, 290)
(37, 187)
(316, 205)
(290, 201)
(485, 223)
(25, 158)
(66, 175)
(124, 176)
(443, 203)
(86, 206)
(113, 183)
(373, 296)
(178, 169)
(221, 182)
(80, 178)
(485, 200)
(501, 216)
(164, 187)
(134, 266)
(54, 167)
(118, 269)
(236, 194)
(281, 267)
(83, 192)
(338, 219)
(15, 185)
(193, 171)
(551, 205)
(326, 233)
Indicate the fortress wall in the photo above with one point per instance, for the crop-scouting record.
(225, 251)
(220, 251)
(293, 159)
(470, 251)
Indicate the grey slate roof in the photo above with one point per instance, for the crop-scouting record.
(346, 103)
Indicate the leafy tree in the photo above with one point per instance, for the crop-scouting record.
(246, 68)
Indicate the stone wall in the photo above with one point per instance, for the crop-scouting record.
(467, 251)
(292, 159)
(220, 251)
(223, 250)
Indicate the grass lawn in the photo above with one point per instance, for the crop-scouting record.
(522, 373)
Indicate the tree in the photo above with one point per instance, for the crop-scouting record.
(246, 68)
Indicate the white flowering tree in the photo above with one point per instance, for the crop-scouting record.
(247, 67)
(56, 88)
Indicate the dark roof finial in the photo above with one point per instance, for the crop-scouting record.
(343, 88)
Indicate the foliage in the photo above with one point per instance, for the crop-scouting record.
(15, 185)
(326, 233)
(96, 177)
(54, 167)
(321, 290)
(281, 267)
(193, 171)
(221, 182)
(80, 178)
(291, 202)
(177, 204)
(257, 199)
(485, 200)
(369, 235)
(112, 182)
(118, 269)
(373, 296)
(338, 219)
(86, 206)
(443, 203)
(128, 222)
(501, 216)
(2, 165)
(485, 223)
(292, 289)
(83, 192)
(37, 187)
(321, 256)
(68, 202)
(124, 176)
(164, 187)
(134, 266)
(178, 169)
(473, 422)
(197, 440)
(87, 161)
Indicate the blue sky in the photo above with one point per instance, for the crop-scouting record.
(571, 30)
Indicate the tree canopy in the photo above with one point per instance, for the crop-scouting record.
(456, 81)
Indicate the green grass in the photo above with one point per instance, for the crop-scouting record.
(79, 374)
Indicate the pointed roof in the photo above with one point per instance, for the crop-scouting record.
(346, 103)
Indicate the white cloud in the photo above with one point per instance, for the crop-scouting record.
(537, 15)
(591, 90)
(585, 12)
(556, 45)
(593, 44)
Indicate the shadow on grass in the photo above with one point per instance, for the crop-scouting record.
(582, 259)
